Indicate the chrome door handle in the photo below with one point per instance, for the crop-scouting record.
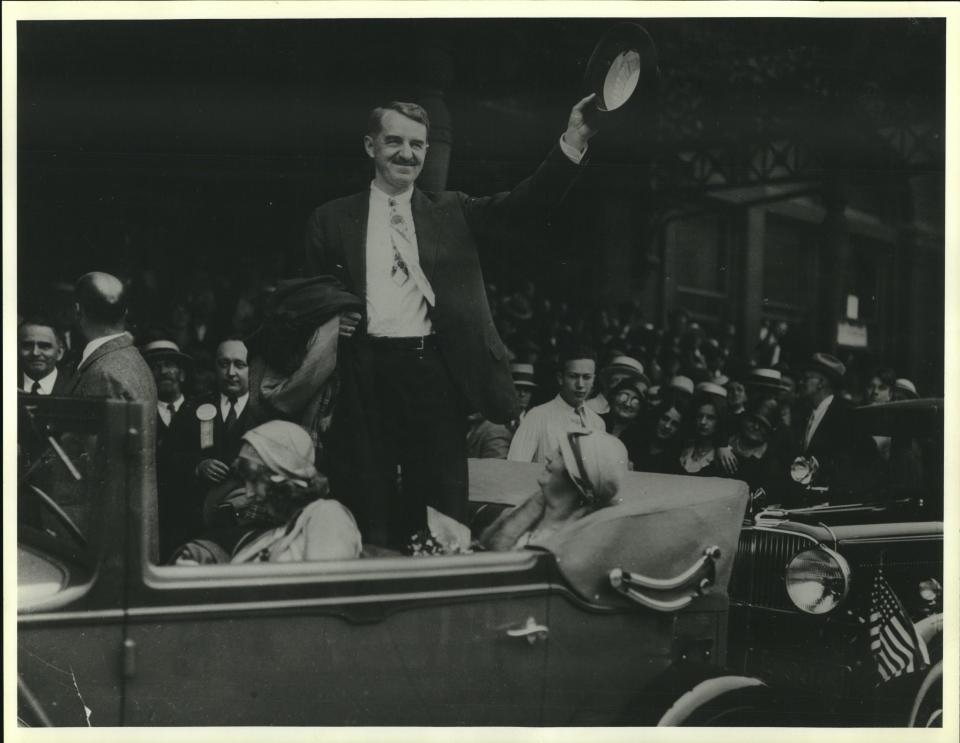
(531, 630)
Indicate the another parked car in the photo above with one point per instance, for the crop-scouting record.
(623, 620)
(809, 589)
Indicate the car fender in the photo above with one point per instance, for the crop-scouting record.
(716, 697)
(927, 710)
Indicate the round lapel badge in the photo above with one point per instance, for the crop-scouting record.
(206, 412)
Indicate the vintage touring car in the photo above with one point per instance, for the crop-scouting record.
(808, 585)
(621, 620)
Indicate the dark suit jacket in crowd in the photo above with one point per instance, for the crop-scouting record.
(449, 225)
(846, 454)
(115, 370)
(181, 500)
(60, 385)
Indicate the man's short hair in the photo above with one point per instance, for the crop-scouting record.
(43, 321)
(410, 110)
(101, 309)
(575, 353)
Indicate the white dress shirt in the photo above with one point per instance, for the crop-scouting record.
(815, 417)
(165, 415)
(541, 429)
(238, 405)
(392, 310)
(94, 345)
(46, 384)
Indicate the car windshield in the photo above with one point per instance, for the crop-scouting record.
(910, 436)
(60, 472)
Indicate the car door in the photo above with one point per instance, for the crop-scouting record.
(388, 641)
(75, 470)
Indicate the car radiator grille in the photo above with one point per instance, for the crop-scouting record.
(759, 567)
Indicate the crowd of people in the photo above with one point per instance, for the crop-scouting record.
(315, 417)
(229, 471)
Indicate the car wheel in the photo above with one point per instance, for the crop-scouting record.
(724, 701)
(927, 711)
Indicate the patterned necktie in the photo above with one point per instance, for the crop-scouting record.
(405, 264)
(231, 420)
(35, 390)
(582, 415)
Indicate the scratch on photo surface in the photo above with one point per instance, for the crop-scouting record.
(87, 711)
(48, 664)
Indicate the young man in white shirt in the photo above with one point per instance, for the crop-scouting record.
(542, 427)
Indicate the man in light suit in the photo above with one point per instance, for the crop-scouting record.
(425, 352)
(40, 346)
(110, 365)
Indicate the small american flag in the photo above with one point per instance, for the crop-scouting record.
(893, 640)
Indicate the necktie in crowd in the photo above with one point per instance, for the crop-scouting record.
(231, 420)
(582, 415)
(35, 390)
(405, 266)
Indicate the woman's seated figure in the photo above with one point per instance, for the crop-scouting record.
(283, 511)
(582, 475)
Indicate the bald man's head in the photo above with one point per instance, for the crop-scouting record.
(101, 300)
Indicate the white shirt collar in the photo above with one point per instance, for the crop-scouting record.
(176, 404)
(564, 404)
(381, 196)
(240, 404)
(165, 415)
(46, 384)
(95, 344)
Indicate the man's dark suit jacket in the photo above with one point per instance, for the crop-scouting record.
(182, 499)
(845, 453)
(448, 226)
(60, 385)
(115, 370)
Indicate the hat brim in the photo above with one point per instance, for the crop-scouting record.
(623, 69)
(167, 354)
(523, 383)
(631, 373)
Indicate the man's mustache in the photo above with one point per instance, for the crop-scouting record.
(404, 161)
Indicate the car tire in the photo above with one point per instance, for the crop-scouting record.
(927, 710)
(724, 701)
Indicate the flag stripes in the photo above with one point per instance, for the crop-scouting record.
(893, 639)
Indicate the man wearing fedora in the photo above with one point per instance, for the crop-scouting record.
(524, 383)
(832, 451)
(425, 345)
(169, 367)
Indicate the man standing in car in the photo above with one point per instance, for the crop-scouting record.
(426, 352)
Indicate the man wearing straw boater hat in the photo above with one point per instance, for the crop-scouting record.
(619, 369)
(169, 366)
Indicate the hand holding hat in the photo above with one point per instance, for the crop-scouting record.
(579, 130)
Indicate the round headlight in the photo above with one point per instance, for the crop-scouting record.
(817, 580)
